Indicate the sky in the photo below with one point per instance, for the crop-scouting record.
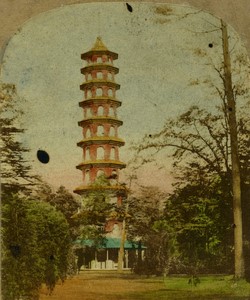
(157, 47)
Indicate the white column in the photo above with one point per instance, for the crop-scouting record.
(126, 258)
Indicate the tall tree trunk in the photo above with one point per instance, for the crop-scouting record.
(121, 250)
(238, 235)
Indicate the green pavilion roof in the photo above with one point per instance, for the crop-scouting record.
(108, 243)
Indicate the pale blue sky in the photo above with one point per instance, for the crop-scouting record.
(156, 62)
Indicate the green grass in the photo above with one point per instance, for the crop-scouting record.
(210, 287)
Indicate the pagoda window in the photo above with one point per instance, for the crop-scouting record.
(112, 131)
(100, 173)
(105, 57)
(112, 153)
(87, 154)
(109, 60)
(87, 177)
(99, 75)
(99, 92)
(100, 153)
(110, 93)
(88, 133)
(112, 111)
(100, 111)
(110, 76)
(89, 94)
(89, 77)
(99, 60)
(100, 130)
(88, 113)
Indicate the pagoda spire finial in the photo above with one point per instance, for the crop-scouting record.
(99, 45)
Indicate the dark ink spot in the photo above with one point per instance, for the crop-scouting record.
(15, 250)
(43, 156)
(150, 135)
(230, 109)
(129, 7)
(210, 45)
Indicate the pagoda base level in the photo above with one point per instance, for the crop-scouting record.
(82, 190)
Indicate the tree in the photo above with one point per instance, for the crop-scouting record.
(201, 214)
(35, 237)
(147, 223)
(202, 168)
(236, 178)
(64, 202)
(228, 87)
(97, 208)
(244, 156)
(195, 138)
(22, 268)
(228, 94)
(15, 171)
(35, 245)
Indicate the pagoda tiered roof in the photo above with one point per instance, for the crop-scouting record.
(101, 140)
(100, 163)
(100, 100)
(99, 82)
(91, 120)
(96, 66)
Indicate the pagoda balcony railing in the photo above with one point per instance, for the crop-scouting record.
(100, 140)
(100, 100)
(99, 82)
(98, 66)
(100, 119)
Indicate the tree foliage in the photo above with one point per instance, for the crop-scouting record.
(200, 208)
(195, 137)
(15, 171)
(201, 214)
(35, 236)
(96, 209)
(35, 245)
(64, 202)
(146, 222)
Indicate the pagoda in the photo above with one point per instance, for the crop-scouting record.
(100, 124)
(100, 145)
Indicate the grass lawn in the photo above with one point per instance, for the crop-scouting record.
(210, 287)
(103, 285)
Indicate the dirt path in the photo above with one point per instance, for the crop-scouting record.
(90, 285)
